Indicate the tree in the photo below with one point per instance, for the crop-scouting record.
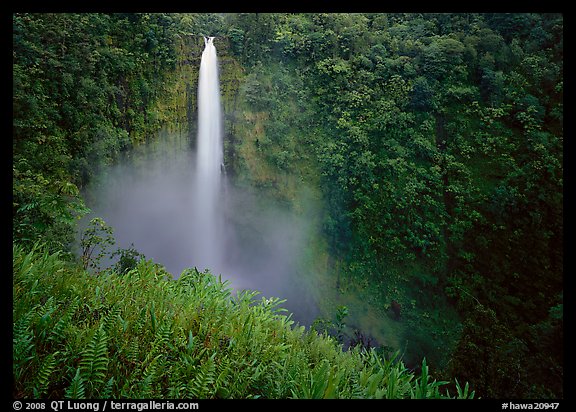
(97, 237)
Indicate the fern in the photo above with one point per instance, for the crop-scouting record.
(107, 392)
(373, 384)
(161, 340)
(57, 333)
(23, 264)
(22, 339)
(109, 320)
(94, 362)
(177, 389)
(393, 389)
(43, 325)
(76, 389)
(150, 369)
(150, 375)
(334, 389)
(163, 335)
(196, 340)
(153, 318)
(133, 351)
(201, 384)
(224, 369)
(422, 383)
(316, 383)
(43, 375)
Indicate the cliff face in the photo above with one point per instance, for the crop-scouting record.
(232, 76)
(263, 123)
(178, 108)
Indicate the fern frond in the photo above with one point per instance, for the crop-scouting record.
(163, 335)
(94, 362)
(153, 318)
(107, 392)
(43, 327)
(57, 334)
(373, 384)
(319, 380)
(76, 389)
(23, 338)
(158, 349)
(43, 376)
(150, 376)
(200, 385)
(423, 387)
(177, 391)
(224, 369)
(133, 351)
(110, 319)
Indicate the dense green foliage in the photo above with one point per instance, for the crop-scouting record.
(439, 141)
(144, 335)
(84, 86)
(436, 141)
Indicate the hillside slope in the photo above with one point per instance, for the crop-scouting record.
(142, 335)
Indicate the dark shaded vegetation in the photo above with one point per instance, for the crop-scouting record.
(440, 143)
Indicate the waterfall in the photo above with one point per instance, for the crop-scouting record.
(209, 163)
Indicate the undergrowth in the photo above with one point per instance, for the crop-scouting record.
(144, 335)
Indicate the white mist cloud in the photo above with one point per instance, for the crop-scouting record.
(150, 201)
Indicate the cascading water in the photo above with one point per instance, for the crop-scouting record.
(209, 163)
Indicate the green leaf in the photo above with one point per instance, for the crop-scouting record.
(76, 389)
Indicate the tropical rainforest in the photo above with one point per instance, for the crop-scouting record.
(434, 143)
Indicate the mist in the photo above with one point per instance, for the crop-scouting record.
(150, 200)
